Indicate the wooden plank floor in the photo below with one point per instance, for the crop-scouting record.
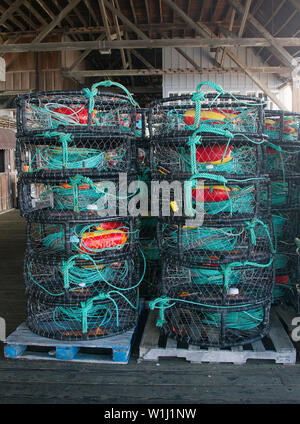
(173, 381)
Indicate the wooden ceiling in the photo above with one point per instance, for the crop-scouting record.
(27, 21)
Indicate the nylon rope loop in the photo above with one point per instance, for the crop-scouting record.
(67, 265)
(88, 306)
(91, 93)
(64, 139)
(199, 96)
(161, 303)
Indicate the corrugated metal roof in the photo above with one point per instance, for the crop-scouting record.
(7, 139)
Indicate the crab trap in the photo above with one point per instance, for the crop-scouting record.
(179, 115)
(109, 313)
(65, 155)
(89, 110)
(286, 225)
(285, 275)
(214, 198)
(177, 156)
(219, 284)
(109, 237)
(81, 276)
(214, 243)
(282, 126)
(74, 197)
(281, 160)
(285, 194)
(212, 326)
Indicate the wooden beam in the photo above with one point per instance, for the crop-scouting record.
(125, 20)
(186, 71)
(296, 95)
(133, 11)
(142, 59)
(55, 21)
(33, 10)
(118, 32)
(281, 52)
(10, 11)
(296, 4)
(204, 31)
(92, 12)
(84, 54)
(244, 18)
(104, 18)
(145, 43)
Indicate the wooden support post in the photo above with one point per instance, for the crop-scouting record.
(296, 95)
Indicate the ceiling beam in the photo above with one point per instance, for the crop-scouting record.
(204, 31)
(147, 43)
(142, 59)
(186, 71)
(296, 4)
(10, 11)
(46, 30)
(286, 58)
(244, 18)
(118, 32)
(84, 54)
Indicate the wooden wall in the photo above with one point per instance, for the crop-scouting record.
(8, 183)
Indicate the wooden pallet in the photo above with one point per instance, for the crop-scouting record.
(24, 344)
(283, 352)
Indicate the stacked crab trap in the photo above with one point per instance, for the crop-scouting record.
(216, 241)
(282, 163)
(76, 154)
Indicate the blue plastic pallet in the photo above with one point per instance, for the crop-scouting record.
(23, 344)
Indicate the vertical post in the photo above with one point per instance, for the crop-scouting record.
(296, 95)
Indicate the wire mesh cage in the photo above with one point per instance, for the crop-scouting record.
(213, 198)
(282, 159)
(75, 197)
(65, 155)
(212, 326)
(285, 274)
(229, 284)
(81, 276)
(211, 244)
(149, 287)
(108, 237)
(286, 225)
(237, 156)
(285, 194)
(181, 114)
(282, 126)
(76, 111)
(109, 313)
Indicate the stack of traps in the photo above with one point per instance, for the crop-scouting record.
(82, 268)
(282, 153)
(217, 277)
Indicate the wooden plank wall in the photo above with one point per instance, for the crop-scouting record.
(8, 183)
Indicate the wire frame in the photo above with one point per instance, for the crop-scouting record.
(102, 316)
(106, 237)
(285, 194)
(149, 287)
(213, 198)
(293, 295)
(282, 126)
(175, 116)
(235, 283)
(285, 274)
(77, 197)
(90, 154)
(68, 111)
(282, 159)
(286, 225)
(212, 244)
(80, 277)
(216, 327)
(216, 154)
